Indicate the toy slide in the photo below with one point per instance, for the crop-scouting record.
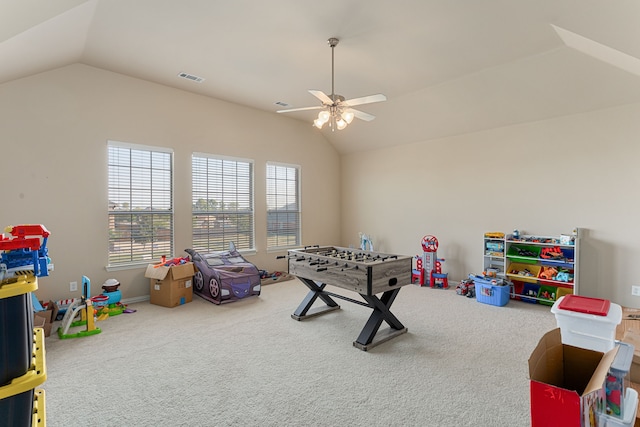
(84, 307)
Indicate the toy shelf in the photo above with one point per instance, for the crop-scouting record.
(553, 260)
(541, 268)
(494, 251)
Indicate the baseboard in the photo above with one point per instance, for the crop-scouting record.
(134, 300)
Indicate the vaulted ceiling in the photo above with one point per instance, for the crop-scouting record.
(447, 67)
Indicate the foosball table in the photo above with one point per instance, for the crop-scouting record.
(367, 273)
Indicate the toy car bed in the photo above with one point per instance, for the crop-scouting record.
(224, 276)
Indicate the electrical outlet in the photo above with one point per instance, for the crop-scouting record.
(635, 291)
(73, 286)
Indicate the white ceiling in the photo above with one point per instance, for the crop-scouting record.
(447, 67)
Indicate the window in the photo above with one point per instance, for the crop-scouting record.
(222, 203)
(283, 206)
(140, 203)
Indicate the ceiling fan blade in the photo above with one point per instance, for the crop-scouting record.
(365, 100)
(321, 96)
(319, 107)
(362, 115)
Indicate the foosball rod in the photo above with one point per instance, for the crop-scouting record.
(343, 268)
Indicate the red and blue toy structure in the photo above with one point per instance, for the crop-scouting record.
(429, 265)
(25, 251)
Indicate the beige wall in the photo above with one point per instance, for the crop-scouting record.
(54, 129)
(542, 178)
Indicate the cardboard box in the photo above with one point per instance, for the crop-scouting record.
(632, 337)
(170, 286)
(566, 382)
(48, 315)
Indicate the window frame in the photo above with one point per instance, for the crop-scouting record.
(136, 257)
(298, 201)
(247, 245)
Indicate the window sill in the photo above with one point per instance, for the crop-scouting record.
(131, 266)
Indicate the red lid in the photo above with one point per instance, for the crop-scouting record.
(597, 306)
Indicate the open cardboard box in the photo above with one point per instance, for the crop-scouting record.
(170, 286)
(566, 382)
(44, 319)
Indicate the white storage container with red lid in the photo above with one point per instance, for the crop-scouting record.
(587, 322)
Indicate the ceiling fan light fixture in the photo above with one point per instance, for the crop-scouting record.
(348, 116)
(341, 123)
(324, 116)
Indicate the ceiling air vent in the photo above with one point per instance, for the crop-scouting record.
(282, 104)
(191, 77)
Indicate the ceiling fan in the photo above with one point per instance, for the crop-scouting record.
(335, 109)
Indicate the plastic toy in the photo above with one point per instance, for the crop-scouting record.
(418, 272)
(464, 287)
(84, 307)
(614, 395)
(525, 272)
(490, 272)
(170, 263)
(439, 279)
(224, 276)
(430, 265)
(23, 254)
(112, 306)
(366, 244)
(494, 235)
(523, 252)
(554, 253)
(548, 273)
(471, 291)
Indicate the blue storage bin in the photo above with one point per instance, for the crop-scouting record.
(492, 294)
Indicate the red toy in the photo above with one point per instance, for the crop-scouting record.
(430, 264)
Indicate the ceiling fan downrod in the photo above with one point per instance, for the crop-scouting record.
(333, 42)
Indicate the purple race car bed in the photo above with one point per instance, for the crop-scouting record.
(224, 276)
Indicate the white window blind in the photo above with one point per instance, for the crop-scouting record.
(222, 203)
(140, 204)
(283, 206)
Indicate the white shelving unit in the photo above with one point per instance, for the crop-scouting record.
(494, 253)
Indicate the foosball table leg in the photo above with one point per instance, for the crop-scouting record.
(304, 309)
(381, 313)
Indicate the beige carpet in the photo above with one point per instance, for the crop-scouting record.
(247, 363)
